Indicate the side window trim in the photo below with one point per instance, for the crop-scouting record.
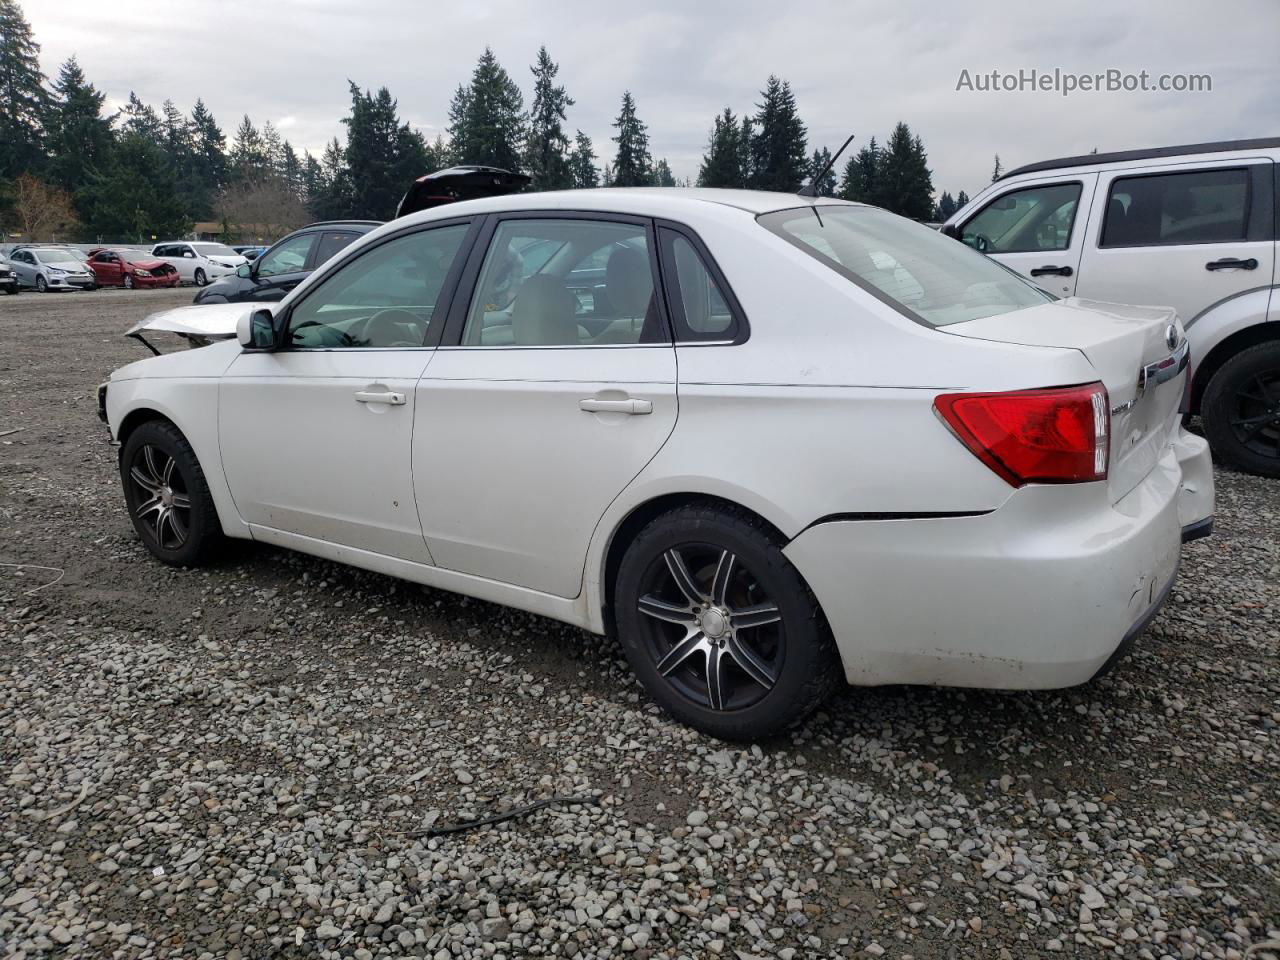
(684, 336)
(1037, 185)
(470, 275)
(346, 256)
(1250, 211)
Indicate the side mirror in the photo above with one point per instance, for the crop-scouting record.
(952, 231)
(188, 254)
(256, 330)
(244, 271)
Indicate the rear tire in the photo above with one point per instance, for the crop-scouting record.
(1241, 410)
(167, 495)
(742, 607)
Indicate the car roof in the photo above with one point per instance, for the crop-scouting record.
(637, 201)
(1150, 153)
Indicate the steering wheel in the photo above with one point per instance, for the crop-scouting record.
(391, 316)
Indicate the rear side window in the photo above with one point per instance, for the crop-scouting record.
(700, 307)
(917, 271)
(331, 243)
(1201, 206)
(1025, 221)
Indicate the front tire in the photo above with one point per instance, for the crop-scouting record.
(167, 496)
(42, 285)
(719, 626)
(200, 277)
(12, 291)
(1241, 410)
(128, 281)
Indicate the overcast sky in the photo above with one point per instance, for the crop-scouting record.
(855, 65)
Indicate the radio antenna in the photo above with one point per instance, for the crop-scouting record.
(810, 189)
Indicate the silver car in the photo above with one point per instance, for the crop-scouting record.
(50, 268)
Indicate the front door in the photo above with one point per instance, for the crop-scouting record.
(547, 398)
(1036, 229)
(1187, 237)
(316, 436)
(281, 268)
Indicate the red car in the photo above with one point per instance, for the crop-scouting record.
(118, 267)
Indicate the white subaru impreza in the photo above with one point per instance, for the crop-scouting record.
(767, 440)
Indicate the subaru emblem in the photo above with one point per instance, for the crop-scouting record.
(1171, 336)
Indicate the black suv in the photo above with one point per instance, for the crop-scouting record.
(286, 263)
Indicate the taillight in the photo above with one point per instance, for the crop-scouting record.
(1059, 435)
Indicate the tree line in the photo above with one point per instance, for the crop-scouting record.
(67, 165)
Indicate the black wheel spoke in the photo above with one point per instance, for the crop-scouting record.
(723, 574)
(680, 653)
(670, 612)
(752, 665)
(756, 616)
(715, 676)
(684, 580)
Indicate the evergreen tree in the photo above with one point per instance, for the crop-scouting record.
(208, 159)
(632, 164)
(582, 163)
(861, 181)
(140, 119)
(334, 197)
(177, 135)
(998, 170)
(745, 161)
(291, 170)
(272, 150)
(779, 158)
(906, 185)
(662, 175)
(311, 180)
(548, 147)
(946, 207)
(23, 99)
(824, 182)
(79, 137)
(962, 198)
(382, 154)
(136, 197)
(722, 163)
(486, 118)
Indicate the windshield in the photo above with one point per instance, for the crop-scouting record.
(920, 272)
(215, 250)
(57, 256)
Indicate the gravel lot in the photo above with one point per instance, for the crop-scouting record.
(239, 762)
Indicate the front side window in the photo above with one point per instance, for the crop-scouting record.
(384, 298)
(1025, 221)
(331, 243)
(919, 272)
(1201, 206)
(566, 282)
(288, 257)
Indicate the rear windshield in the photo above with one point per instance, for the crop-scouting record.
(920, 272)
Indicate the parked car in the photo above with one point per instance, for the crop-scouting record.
(787, 438)
(121, 267)
(285, 264)
(199, 261)
(76, 251)
(50, 268)
(8, 279)
(250, 253)
(1193, 227)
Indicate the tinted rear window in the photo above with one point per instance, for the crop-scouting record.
(918, 271)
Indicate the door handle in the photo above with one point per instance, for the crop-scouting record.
(1060, 271)
(633, 407)
(381, 396)
(1232, 263)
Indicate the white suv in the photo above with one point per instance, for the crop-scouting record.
(200, 261)
(1191, 227)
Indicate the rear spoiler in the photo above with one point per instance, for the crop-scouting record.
(467, 182)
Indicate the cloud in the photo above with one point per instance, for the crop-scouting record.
(855, 65)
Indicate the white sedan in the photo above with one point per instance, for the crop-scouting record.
(766, 441)
(199, 261)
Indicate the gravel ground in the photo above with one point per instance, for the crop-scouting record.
(240, 761)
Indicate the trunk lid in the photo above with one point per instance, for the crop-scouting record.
(1140, 354)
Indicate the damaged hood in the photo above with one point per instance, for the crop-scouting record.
(213, 321)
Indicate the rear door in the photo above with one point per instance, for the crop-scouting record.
(545, 400)
(107, 268)
(1036, 229)
(1188, 236)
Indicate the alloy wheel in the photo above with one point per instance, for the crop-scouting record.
(162, 503)
(1255, 419)
(713, 632)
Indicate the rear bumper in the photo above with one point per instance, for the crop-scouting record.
(1039, 593)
